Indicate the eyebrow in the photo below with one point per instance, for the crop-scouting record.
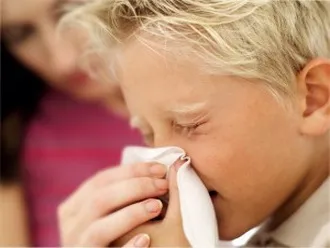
(137, 122)
(67, 5)
(187, 109)
(183, 110)
(57, 5)
(6, 27)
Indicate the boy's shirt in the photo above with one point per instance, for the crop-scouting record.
(309, 226)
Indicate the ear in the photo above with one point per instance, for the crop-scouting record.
(314, 82)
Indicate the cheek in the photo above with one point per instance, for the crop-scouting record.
(222, 165)
(239, 160)
(31, 56)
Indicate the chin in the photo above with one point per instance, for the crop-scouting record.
(228, 235)
(231, 225)
(229, 231)
(88, 96)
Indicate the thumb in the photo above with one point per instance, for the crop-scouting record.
(173, 211)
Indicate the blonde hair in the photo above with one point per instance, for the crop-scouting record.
(268, 40)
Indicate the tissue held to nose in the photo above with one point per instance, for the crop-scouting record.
(199, 222)
(165, 198)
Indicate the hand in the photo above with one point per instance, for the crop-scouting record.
(106, 206)
(167, 232)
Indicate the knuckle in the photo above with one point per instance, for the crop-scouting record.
(131, 219)
(96, 181)
(136, 170)
(62, 211)
(144, 185)
(135, 215)
(140, 169)
(91, 236)
(98, 203)
(101, 177)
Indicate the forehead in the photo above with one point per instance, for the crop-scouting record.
(159, 79)
(20, 10)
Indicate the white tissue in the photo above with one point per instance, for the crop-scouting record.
(198, 216)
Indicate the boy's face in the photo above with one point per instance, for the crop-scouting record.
(244, 145)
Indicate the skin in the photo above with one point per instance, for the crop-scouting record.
(87, 218)
(262, 159)
(243, 142)
(29, 30)
(13, 226)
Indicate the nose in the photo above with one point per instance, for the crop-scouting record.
(61, 54)
(168, 140)
(172, 141)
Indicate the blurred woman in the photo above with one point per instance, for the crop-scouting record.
(69, 126)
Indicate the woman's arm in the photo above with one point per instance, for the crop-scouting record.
(13, 217)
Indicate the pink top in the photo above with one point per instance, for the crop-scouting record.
(66, 143)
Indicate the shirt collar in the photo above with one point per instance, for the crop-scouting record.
(302, 227)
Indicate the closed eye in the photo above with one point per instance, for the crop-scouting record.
(186, 128)
(18, 34)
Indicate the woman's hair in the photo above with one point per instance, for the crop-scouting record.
(269, 40)
(21, 91)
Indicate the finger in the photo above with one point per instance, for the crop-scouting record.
(105, 177)
(120, 173)
(121, 194)
(142, 240)
(173, 210)
(105, 230)
(117, 196)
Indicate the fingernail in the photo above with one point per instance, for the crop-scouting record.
(158, 170)
(142, 240)
(161, 184)
(153, 206)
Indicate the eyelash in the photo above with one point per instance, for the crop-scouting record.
(186, 128)
(20, 36)
(25, 33)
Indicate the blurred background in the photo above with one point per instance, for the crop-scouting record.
(59, 124)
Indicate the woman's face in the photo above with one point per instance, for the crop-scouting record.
(244, 145)
(29, 29)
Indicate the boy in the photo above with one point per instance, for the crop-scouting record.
(244, 88)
